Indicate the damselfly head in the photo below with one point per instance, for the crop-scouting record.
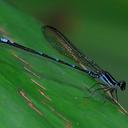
(122, 85)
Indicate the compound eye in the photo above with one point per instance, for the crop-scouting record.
(122, 85)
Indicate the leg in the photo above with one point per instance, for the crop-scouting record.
(98, 89)
(111, 92)
(104, 88)
(92, 86)
(95, 85)
(116, 95)
(107, 90)
(101, 88)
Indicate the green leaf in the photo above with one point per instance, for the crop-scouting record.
(38, 93)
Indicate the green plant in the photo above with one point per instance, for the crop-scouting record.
(35, 92)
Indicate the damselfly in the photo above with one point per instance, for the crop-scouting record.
(62, 44)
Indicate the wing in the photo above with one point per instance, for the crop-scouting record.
(64, 46)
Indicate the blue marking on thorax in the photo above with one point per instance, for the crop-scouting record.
(3, 40)
(73, 65)
(108, 79)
